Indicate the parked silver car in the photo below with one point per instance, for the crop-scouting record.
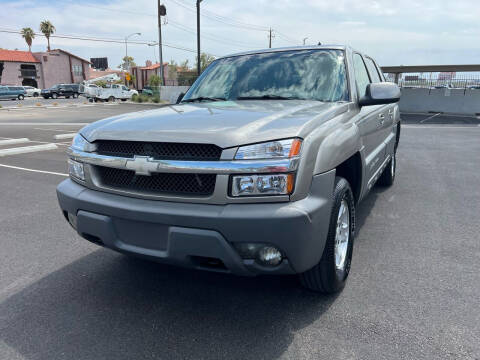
(257, 170)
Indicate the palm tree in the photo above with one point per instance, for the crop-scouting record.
(47, 28)
(28, 34)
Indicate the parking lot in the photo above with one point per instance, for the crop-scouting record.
(40, 101)
(412, 294)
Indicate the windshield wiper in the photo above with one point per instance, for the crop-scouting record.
(204, 98)
(269, 97)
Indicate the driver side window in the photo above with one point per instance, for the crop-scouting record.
(361, 75)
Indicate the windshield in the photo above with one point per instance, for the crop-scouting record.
(305, 74)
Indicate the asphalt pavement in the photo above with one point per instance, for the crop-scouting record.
(412, 293)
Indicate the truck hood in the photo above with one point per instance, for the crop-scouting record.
(223, 123)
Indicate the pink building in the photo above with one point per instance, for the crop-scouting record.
(42, 69)
(143, 73)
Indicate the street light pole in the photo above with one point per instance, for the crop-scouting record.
(199, 68)
(127, 63)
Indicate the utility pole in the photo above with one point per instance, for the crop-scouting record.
(199, 68)
(162, 11)
(270, 35)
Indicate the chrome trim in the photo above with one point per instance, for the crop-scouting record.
(149, 165)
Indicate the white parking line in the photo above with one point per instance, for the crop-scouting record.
(33, 170)
(64, 136)
(14, 141)
(430, 117)
(27, 149)
(41, 124)
(466, 126)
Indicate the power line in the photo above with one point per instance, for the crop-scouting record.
(95, 39)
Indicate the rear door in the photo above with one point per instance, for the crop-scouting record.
(370, 123)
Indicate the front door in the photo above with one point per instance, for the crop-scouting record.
(370, 123)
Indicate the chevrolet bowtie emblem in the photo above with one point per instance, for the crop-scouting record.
(142, 165)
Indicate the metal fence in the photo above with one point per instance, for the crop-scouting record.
(437, 80)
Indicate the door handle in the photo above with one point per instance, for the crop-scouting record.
(382, 119)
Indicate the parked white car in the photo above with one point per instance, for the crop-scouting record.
(32, 91)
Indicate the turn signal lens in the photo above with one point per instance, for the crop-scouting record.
(270, 150)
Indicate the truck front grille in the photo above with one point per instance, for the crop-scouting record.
(159, 151)
(157, 184)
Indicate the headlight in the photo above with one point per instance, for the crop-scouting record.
(268, 150)
(261, 185)
(79, 143)
(75, 169)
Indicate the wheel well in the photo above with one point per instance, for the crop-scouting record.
(351, 170)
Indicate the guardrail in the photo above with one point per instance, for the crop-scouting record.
(437, 88)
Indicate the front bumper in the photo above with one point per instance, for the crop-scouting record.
(182, 233)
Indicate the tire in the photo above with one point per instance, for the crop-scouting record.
(21, 97)
(75, 95)
(124, 99)
(54, 96)
(45, 97)
(330, 275)
(35, 94)
(111, 99)
(388, 176)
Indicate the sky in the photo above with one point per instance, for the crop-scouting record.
(394, 32)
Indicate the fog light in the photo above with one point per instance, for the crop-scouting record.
(75, 169)
(269, 255)
(72, 219)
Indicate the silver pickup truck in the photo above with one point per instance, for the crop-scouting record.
(256, 170)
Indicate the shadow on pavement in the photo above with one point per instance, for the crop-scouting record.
(106, 305)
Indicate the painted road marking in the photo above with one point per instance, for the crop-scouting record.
(42, 124)
(430, 117)
(33, 170)
(466, 126)
(27, 149)
(64, 136)
(14, 141)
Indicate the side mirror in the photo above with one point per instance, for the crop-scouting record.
(380, 94)
(180, 97)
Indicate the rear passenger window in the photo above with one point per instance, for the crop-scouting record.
(372, 69)
(361, 75)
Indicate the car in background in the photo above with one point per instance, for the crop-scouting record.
(12, 92)
(476, 87)
(32, 91)
(59, 90)
(147, 90)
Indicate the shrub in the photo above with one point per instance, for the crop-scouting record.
(156, 99)
(139, 99)
(134, 97)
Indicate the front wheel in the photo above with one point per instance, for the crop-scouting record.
(111, 99)
(54, 96)
(331, 273)
(75, 95)
(21, 97)
(35, 94)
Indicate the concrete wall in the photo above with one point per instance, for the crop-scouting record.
(12, 76)
(171, 93)
(453, 101)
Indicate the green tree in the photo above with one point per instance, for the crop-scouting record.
(127, 62)
(47, 28)
(172, 69)
(154, 81)
(205, 60)
(28, 34)
(184, 65)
